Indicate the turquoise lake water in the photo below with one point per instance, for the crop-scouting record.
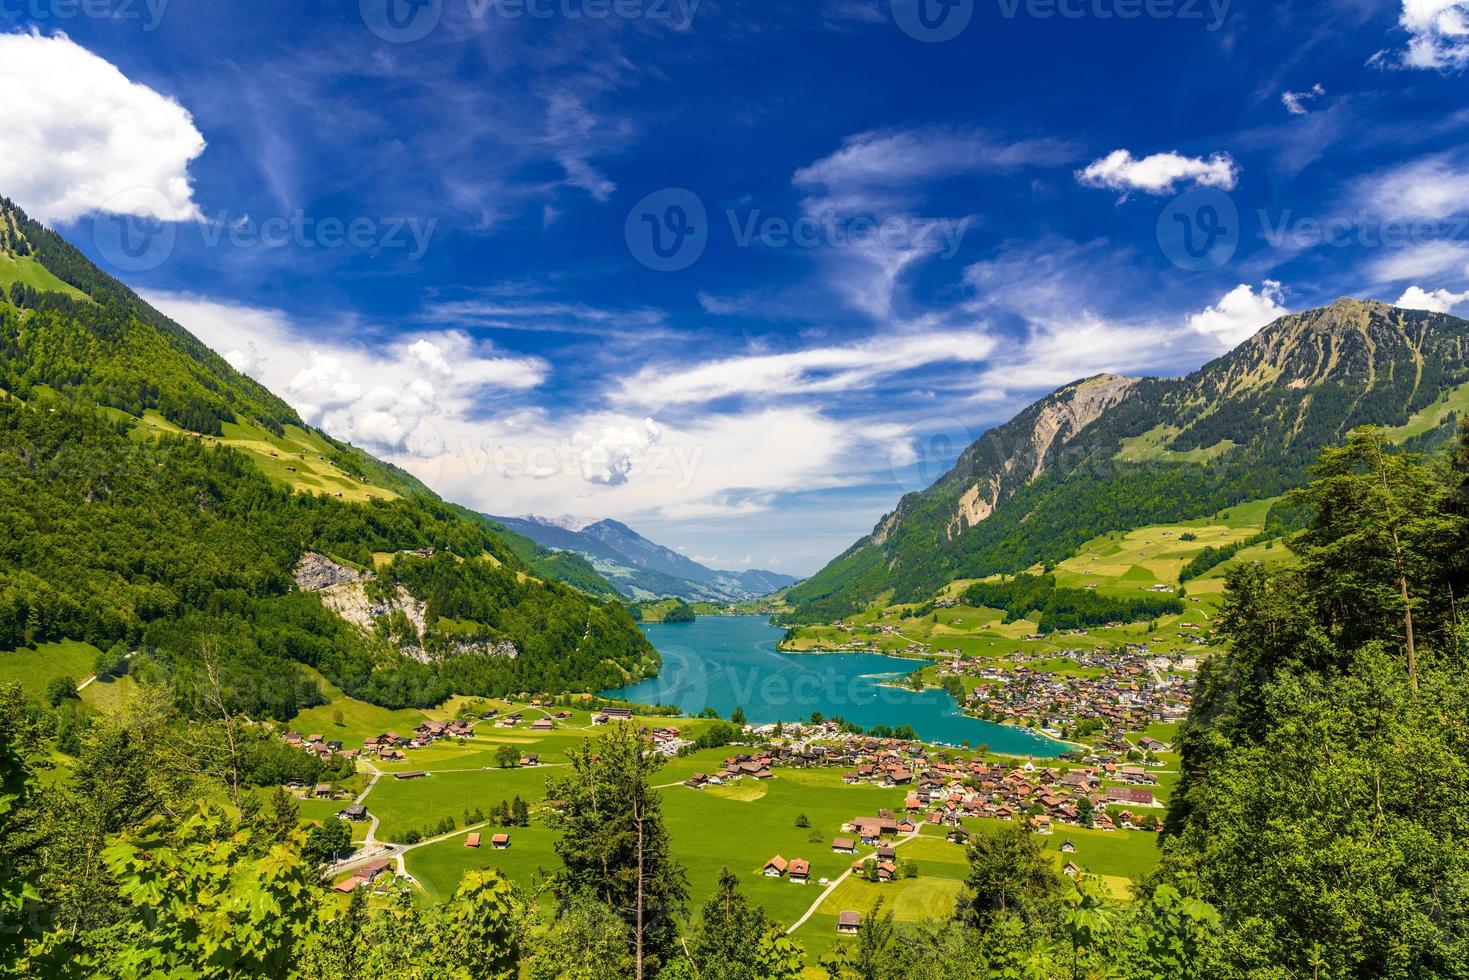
(728, 662)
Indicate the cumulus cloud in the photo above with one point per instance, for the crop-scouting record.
(1438, 35)
(1296, 102)
(401, 397)
(1161, 173)
(1241, 313)
(608, 457)
(1437, 301)
(78, 137)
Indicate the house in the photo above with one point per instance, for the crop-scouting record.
(530, 759)
(844, 845)
(886, 871)
(472, 840)
(347, 885)
(1130, 795)
(800, 871)
(1148, 744)
(356, 813)
(416, 774)
(1072, 870)
(323, 791)
(887, 853)
(543, 725)
(849, 923)
(500, 842)
(1068, 847)
(609, 715)
(776, 867)
(370, 872)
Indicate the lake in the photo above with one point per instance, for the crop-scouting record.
(728, 662)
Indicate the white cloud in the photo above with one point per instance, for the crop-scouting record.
(610, 456)
(404, 397)
(813, 370)
(1240, 314)
(1438, 35)
(1437, 301)
(1433, 188)
(1430, 261)
(1295, 102)
(1161, 173)
(78, 137)
(888, 158)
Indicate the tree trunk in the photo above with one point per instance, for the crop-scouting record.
(638, 818)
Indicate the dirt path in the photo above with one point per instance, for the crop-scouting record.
(835, 884)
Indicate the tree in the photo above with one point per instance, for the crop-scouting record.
(614, 843)
(1379, 530)
(723, 945)
(59, 689)
(1009, 873)
(202, 903)
(803, 821)
(327, 840)
(588, 941)
(15, 890)
(507, 756)
(738, 719)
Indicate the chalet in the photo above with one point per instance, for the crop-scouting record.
(886, 871)
(370, 872)
(356, 813)
(347, 885)
(886, 853)
(844, 845)
(776, 867)
(1148, 744)
(1130, 795)
(1071, 870)
(959, 835)
(500, 842)
(800, 872)
(323, 791)
(849, 923)
(416, 774)
(1068, 847)
(530, 760)
(543, 725)
(472, 840)
(609, 715)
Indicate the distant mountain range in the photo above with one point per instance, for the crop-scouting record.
(1113, 453)
(637, 567)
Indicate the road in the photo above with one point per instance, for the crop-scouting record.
(835, 884)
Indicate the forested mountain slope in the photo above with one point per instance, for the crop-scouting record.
(154, 497)
(1112, 453)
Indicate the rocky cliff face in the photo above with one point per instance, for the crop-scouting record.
(1112, 453)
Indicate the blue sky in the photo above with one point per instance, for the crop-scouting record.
(739, 274)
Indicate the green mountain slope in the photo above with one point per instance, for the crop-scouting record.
(1112, 453)
(154, 497)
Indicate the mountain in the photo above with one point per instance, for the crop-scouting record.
(1114, 453)
(157, 500)
(640, 568)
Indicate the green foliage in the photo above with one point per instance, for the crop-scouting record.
(205, 903)
(1009, 874)
(586, 942)
(613, 841)
(326, 841)
(1037, 597)
(1325, 786)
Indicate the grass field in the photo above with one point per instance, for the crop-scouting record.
(35, 666)
(24, 269)
(1118, 564)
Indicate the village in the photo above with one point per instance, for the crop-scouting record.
(1107, 693)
